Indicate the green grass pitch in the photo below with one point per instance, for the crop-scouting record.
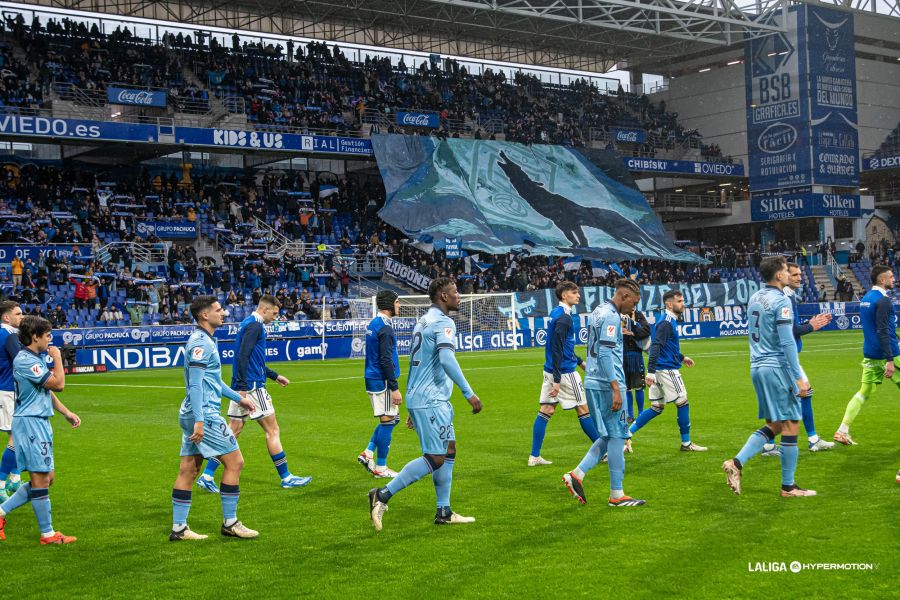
(694, 538)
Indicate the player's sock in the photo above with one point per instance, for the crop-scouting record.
(7, 462)
(538, 432)
(855, 405)
(643, 418)
(593, 456)
(181, 506)
(280, 462)
(630, 398)
(616, 450)
(411, 472)
(211, 465)
(373, 441)
(789, 453)
(684, 423)
(809, 424)
(20, 498)
(383, 443)
(754, 444)
(443, 479)
(639, 400)
(230, 496)
(588, 427)
(40, 503)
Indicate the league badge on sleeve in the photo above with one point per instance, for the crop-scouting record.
(448, 332)
(197, 353)
(37, 370)
(610, 331)
(785, 312)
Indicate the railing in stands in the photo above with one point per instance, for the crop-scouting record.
(701, 202)
(142, 253)
(834, 272)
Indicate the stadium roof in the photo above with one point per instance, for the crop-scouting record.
(590, 35)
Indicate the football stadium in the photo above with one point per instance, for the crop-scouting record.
(270, 269)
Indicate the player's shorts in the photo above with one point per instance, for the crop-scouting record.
(217, 437)
(609, 422)
(571, 391)
(776, 393)
(434, 426)
(382, 405)
(669, 387)
(635, 372)
(34, 444)
(264, 406)
(873, 370)
(7, 407)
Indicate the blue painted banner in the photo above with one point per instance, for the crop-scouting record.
(452, 247)
(777, 207)
(67, 251)
(832, 94)
(417, 119)
(778, 107)
(168, 230)
(877, 163)
(659, 165)
(19, 125)
(116, 95)
(629, 136)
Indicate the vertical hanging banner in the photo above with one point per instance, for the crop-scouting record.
(778, 107)
(832, 90)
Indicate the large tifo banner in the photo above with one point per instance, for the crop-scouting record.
(801, 102)
(498, 197)
(697, 296)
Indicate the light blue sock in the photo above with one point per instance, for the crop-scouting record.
(230, 496)
(789, 454)
(411, 472)
(8, 462)
(538, 432)
(40, 503)
(383, 443)
(593, 456)
(684, 423)
(211, 465)
(809, 424)
(181, 506)
(755, 443)
(645, 417)
(616, 449)
(20, 498)
(588, 427)
(443, 479)
(373, 441)
(280, 462)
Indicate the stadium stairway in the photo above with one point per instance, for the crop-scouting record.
(822, 278)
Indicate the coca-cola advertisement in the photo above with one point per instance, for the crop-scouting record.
(133, 97)
(629, 136)
(417, 119)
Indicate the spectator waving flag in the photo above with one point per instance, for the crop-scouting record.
(572, 264)
(598, 269)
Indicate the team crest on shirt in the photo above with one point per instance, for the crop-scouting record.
(610, 330)
(197, 353)
(785, 312)
(448, 332)
(37, 370)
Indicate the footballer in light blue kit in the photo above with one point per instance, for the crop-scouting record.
(777, 378)
(249, 374)
(605, 385)
(432, 372)
(204, 433)
(35, 403)
(381, 371)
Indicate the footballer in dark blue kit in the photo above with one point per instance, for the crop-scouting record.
(561, 384)
(250, 374)
(382, 369)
